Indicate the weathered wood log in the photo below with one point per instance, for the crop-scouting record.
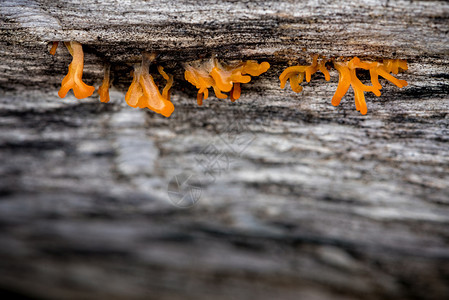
(311, 202)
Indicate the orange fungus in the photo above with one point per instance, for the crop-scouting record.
(103, 90)
(53, 48)
(73, 78)
(222, 78)
(296, 74)
(144, 93)
(347, 77)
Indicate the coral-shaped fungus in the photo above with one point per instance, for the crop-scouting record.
(222, 78)
(73, 78)
(103, 89)
(296, 74)
(143, 92)
(348, 77)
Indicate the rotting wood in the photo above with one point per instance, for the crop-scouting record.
(323, 203)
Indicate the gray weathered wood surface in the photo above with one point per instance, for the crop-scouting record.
(324, 203)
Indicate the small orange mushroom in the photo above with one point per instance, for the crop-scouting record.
(168, 85)
(296, 74)
(201, 80)
(348, 77)
(103, 90)
(235, 92)
(73, 78)
(144, 93)
(53, 48)
(221, 78)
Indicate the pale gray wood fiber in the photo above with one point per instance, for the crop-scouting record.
(324, 203)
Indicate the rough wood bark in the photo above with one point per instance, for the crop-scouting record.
(323, 203)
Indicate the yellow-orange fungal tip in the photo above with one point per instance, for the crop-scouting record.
(235, 92)
(144, 93)
(103, 90)
(222, 78)
(73, 78)
(199, 98)
(168, 85)
(53, 48)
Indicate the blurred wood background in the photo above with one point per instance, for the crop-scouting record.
(323, 203)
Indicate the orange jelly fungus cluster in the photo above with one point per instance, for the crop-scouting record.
(348, 77)
(222, 78)
(73, 78)
(296, 74)
(143, 92)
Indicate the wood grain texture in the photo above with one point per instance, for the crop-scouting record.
(323, 203)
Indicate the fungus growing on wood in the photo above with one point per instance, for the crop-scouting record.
(103, 90)
(73, 78)
(348, 77)
(296, 74)
(143, 92)
(222, 78)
